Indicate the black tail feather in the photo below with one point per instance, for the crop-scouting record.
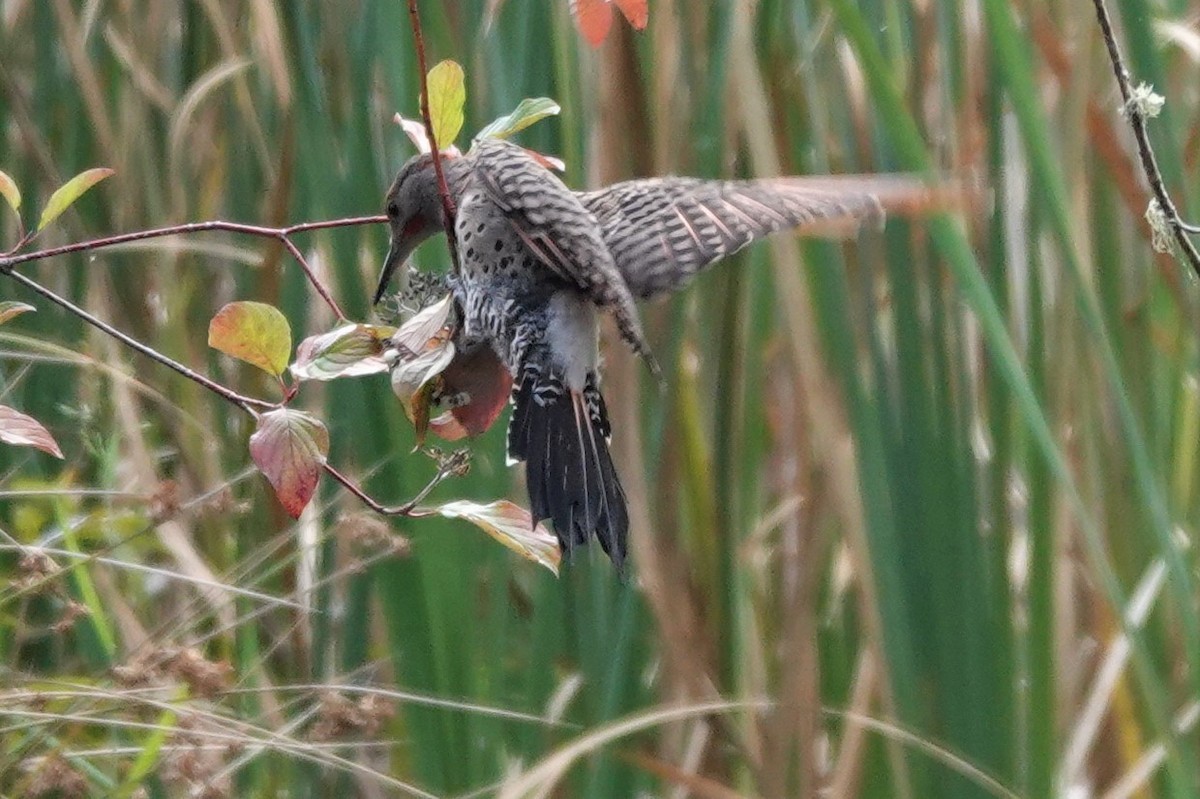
(562, 436)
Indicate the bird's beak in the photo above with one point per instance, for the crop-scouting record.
(397, 253)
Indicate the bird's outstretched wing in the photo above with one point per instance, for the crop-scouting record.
(662, 231)
(555, 226)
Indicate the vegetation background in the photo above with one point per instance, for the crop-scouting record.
(913, 517)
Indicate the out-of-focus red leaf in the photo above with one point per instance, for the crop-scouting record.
(508, 523)
(254, 332)
(351, 350)
(593, 18)
(22, 430)
(289, 448)
(636, 11)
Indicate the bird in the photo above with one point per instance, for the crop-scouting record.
(538, 265)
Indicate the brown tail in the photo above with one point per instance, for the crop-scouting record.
(562, 436)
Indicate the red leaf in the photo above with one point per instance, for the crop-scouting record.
(486, 381)
(636, 11)
(24, 431)
(289, 447)
(593, 18)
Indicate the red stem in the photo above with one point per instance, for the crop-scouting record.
(245, 403)
(383, 510)
(448, 209)
(282, 234)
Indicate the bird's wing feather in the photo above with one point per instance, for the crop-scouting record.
(662, 231)
(557, 229)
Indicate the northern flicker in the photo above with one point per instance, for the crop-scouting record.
(540, 262)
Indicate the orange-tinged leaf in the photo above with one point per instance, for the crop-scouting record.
(417, 406)
(511, 525)
(636, 11)
(447, 96)
(349, 351)
(24, 431)
(289, 447)
(422, 350)
(411, 374)
(254, 332)
(12, 308)
(66, 195)
(413, 336)
(413, 382)
(593, 18)
(10, 192)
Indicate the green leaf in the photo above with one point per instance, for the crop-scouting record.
(351, 350)
(530, 110)
(11, 308)
(69, 192)
(254, 332)
(10, 192)
(508, 523)
(289, 447)
(24, 431)
(447, 96)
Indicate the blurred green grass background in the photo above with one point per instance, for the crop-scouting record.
(918, 509)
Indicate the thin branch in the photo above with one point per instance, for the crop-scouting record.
(1137, 121)
(245, 403)
(282, 235)
(399, 510)
(434, 147)
(248, 404)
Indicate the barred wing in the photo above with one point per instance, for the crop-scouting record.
(554, 225)
(662, 231)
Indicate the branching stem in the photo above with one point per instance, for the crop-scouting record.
(250, 405)
(399, 510)
(281, 234)
(1137, 121)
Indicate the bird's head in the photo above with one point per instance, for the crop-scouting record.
(414, 211)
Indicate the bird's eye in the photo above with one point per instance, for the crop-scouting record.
(393, 210)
